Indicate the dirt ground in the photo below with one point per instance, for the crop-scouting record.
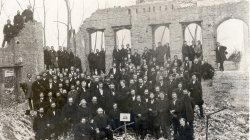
(231, 123)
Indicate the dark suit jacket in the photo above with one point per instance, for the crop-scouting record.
(221, 54)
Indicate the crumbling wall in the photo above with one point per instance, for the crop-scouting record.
(144, 17)
(26, 48)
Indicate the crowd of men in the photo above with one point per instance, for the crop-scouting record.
(160, 92)
(10, 31)
(63, 58)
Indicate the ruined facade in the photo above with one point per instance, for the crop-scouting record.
(144, 18)
(26, 50)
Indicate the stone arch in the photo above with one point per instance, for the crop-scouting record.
(123, 37)
(161, 34)
(97, 40)
(192, 31)
(235, 37)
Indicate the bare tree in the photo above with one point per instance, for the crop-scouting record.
(44, 23)
(68, 22)
(57, 25)
(19, 4)
(1, 6)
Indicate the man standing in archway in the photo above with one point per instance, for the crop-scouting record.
(220, 55)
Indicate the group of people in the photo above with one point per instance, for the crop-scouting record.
(63, 58)
(10, 31)
(158, 95)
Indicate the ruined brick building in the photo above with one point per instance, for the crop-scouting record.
(146, 16)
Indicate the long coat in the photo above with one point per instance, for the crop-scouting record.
(221, 54)
(196, 92)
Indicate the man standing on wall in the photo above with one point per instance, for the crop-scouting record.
(7, 32)
(220, 55)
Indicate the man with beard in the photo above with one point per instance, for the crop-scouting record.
(140, 114)
(83, 111)
(83, 130)
(123, 97)
(102, 126)
(175, 110)
(102, 96)
(69, 113)
(146, 55)
(196, 68)
(114, 116)
(152, 118)
(163, 108)
(84, 92)
(39, 124)
(136, 58)
(54, 115)
(93, 105)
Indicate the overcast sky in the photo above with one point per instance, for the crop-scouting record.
(81, 10)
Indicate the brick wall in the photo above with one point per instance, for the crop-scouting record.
(30, 49)
(144, 16)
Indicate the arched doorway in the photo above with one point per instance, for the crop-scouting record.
(161, 34)
(123, 37)
(193, 32)
(233, 33)
(97, 40)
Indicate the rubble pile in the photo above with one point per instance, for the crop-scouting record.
(14, 124)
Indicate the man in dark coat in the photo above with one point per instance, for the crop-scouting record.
(123, 97)
(102, 126)
(28, 14)
(114, 116)
(37, 88)
(146, 55)
(152, 117)
(55, 118)
(191, 51)
(116, 56)
(140, 115)
(91, 59)
(39, 124)
(160, 54)
(66, 58)
(7, 32)
(18, 23)
(60, 58)
(196, 93)
(185, 50)
(102, 61)
(28, 90)
(163, 108)
(69, 114)
(136, 58)
(83, 130)
(175, 110)
(196, 68)
(220, 55)
(167, 51)
(83, 111)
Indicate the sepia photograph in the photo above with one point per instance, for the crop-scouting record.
(124, 69)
